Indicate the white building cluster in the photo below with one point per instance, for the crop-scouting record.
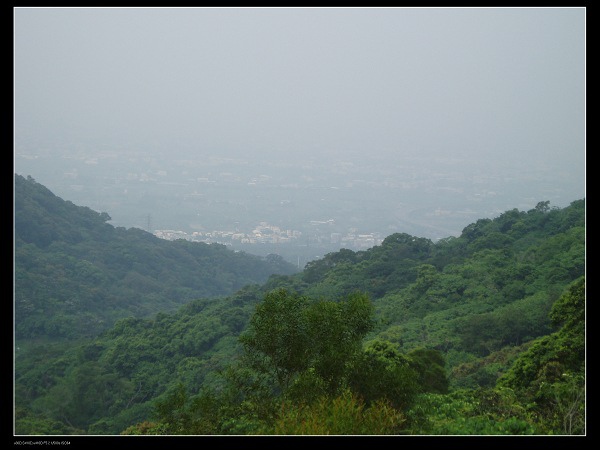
(261, 234)
(264, 233)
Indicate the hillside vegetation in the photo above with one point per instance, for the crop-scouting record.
(75, 275)
(479, 334)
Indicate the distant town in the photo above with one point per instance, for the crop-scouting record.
(265, 233)
(300, 208)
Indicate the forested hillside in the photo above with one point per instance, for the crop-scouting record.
(479, 334)
(75, 274)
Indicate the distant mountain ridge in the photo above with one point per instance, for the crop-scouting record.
(75, 274)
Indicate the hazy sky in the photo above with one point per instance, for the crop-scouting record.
(499, 84)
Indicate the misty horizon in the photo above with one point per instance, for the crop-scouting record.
(411, 115)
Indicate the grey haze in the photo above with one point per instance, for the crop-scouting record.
(417, 120)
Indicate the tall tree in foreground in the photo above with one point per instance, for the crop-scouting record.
(305, 370)
(290, 335)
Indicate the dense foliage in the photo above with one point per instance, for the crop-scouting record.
(479, 334)
(75, 274)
